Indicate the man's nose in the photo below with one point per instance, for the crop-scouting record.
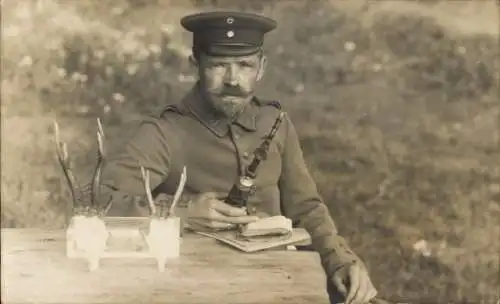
(231, 76)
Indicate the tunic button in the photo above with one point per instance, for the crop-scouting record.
(246, 154)
(236, 136)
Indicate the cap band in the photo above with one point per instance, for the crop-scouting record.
(228, 37)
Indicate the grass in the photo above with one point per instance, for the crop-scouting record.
(396, 104)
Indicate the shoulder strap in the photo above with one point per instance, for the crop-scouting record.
(272, 103)
(171, 108)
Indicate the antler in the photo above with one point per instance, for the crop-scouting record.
(149, 197)
(62, 156)
(178, 192)
(96, 179)
(147, 189)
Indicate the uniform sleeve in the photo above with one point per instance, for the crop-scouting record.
(121, 179)
(301, 202)
(147, 148)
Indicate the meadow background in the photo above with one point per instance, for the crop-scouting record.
(396, 103)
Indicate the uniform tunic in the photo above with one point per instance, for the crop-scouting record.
(214, 152)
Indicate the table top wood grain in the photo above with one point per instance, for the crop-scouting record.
(35, 269)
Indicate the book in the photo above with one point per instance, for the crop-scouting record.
(265, 234)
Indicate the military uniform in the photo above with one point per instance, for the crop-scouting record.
(214, 151)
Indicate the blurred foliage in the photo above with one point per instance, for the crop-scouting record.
(398, 117)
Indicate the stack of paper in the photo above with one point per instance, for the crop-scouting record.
(299, 236)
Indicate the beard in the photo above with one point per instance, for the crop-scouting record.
(229, 106)
(230, 102)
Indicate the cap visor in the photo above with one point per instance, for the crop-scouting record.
(231, 50)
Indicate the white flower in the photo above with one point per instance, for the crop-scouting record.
(75, 76)
(118, 97)
(349, 46)
(422, 247)
(79, 77)
(62, 72)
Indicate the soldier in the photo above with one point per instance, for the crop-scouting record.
(212, 131)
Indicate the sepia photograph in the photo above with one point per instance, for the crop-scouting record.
(250, 151)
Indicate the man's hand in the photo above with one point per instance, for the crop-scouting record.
(207, 210)
(355, 284)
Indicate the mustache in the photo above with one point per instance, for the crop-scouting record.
(233, 91)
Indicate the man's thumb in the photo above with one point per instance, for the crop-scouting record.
(337, 280)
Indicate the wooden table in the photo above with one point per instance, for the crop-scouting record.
(36, 269)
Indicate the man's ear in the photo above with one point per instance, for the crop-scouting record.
(193, 61)
(262, 69)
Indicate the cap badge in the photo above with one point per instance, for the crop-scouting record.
(230, 20)
(230, 34)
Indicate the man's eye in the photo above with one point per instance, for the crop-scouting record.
(247, 64)
(217, 65)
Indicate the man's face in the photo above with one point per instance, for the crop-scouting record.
(228, 83)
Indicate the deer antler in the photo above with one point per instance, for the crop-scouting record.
(151, 202)
(96, 179)
(147, 189)
(178, 192)
(62, 156)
